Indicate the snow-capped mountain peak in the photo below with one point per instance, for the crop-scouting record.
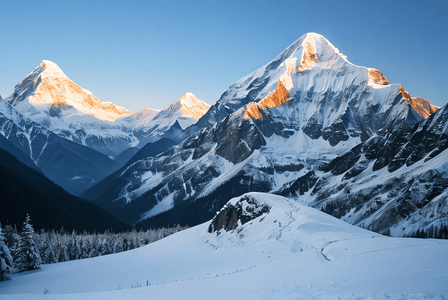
(150, 125)
(192, 107)
(187, 110)
(290, 116)
(49, 69)
(306, 65)
(312, 68)
(48, 91)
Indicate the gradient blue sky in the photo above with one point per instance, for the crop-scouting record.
(149, 53)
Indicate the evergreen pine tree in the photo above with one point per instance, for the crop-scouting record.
(27, 254)
(5, 258)
(49, 256)
(63, 250)
(12, 239)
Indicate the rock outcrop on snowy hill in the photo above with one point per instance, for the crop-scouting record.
(286, 119)
(315, 255)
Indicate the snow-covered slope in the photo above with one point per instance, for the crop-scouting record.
(301, 110)
(288, 252)
(74, 167)
(396, 184)
(47, 96)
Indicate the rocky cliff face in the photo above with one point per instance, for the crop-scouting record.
(394, 184)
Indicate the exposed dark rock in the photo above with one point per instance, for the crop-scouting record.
(237, 140)
(299, 186)
(344, 162)
(245, 210)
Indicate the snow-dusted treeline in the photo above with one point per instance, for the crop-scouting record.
(52, 246)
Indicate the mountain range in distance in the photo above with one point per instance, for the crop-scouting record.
(308, 125)
(88, 139)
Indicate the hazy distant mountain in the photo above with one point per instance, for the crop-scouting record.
(26, 191)
(171, 122)
(108, 185)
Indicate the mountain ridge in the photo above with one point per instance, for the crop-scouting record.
(27, 191)
(310, 105)
(47, 96)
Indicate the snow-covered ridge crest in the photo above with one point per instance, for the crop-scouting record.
(47, 86)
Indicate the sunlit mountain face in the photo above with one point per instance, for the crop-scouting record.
(286, 122)
(308, 125)
(49, 97)
(77, 140)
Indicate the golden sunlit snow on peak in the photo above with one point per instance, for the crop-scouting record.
(420, 105)
(309, 57)
(48, 64)
(377, 77)
(252, 111)
(54, 87)
(275, 98)
(192, 107)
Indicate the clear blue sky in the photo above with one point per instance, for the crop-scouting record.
(149, 53)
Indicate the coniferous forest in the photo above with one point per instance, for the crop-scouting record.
(27, 250)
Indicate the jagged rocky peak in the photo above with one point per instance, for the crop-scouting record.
(192, 107)
(419, 104)
(47, 88)
(328, 92)
(377, 77)
(276, 83)
(325, 87)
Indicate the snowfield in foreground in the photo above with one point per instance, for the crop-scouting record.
(290, 252)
